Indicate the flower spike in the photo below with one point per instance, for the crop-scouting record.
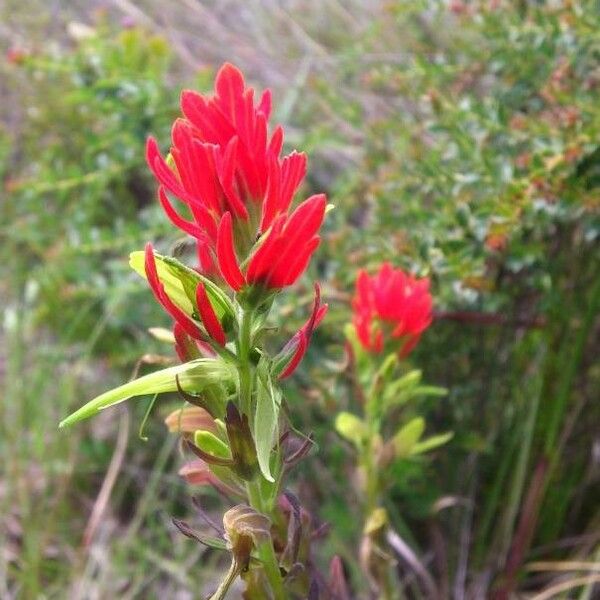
(391, 306)
(223, 159)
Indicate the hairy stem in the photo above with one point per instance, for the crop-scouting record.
(266, 552)
(244, 345)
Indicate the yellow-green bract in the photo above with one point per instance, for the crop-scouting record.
(180, 284)
(194, 375)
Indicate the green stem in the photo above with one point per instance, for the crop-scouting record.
(266, 552)
(230, 577)
(244, 361)
(388, 589)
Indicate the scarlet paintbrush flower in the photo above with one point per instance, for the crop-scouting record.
(222, 160)
(282, 255)
(391, 306)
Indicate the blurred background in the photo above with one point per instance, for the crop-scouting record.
(457, 139)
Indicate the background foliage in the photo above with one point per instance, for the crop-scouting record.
(457, 140)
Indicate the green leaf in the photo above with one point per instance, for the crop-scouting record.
(207, 540)
(389, 364)
(432, 442)
(268, 402)
(398, 392)
(195, 375)
(211, 444)
(351, 428)
(408, 435)
(181, 282)
(407, 388)
(429, 390)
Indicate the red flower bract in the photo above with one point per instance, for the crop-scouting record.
(391, 306)
(282, 256)
(223, 161)
(297, 346)
(185, 322)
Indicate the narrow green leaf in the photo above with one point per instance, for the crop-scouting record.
(141, 435)
(432, 442)
(351, 428)
(207, 540)
(408, 435)
(407, 388)
(387, 367)
(399, 391)
(268, 401)
(429, 390)
(195, 375)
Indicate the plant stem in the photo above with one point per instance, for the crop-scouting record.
(244, 361)
(266, 551)
(230, 577)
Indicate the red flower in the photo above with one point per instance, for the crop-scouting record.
(185, 326)
(222, 161)
(184, 320)
(391, 306)
(294, 351)
(282, 255)
(187, 348)
(208, 316)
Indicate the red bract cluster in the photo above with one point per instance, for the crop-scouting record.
(229, 175)
(391, 306)
(185, 323)
(283, 253)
